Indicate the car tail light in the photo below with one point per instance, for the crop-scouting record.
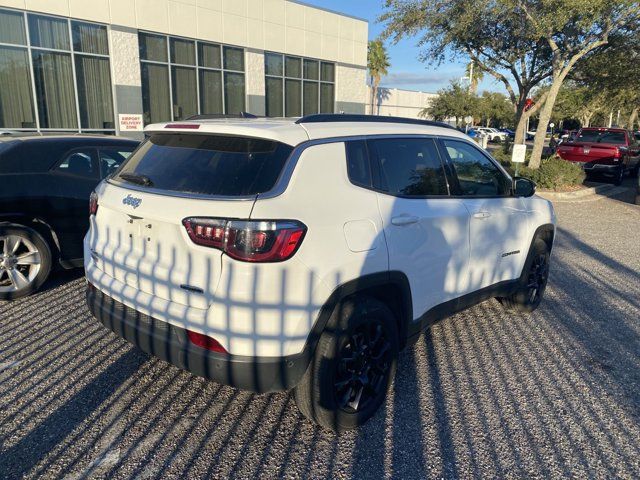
(617, 154)
(248, 240)
(93, 203)
(206, 342)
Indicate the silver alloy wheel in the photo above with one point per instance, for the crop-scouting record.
(20, 263)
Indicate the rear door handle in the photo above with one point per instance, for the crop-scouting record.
(481, 215)
(404, 220)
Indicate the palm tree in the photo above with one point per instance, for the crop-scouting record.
(377, 63)
(475, 74)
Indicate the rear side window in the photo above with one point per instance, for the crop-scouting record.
(358, 165)
(78, 163)
(208, 164)
(409, 166)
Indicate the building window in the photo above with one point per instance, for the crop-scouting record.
(296, 86)
(183, 77)
(63, 64)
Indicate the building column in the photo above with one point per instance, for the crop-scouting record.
(125, 71)
(254, 81)
(350, 89)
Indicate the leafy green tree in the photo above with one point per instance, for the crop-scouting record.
(494, 109)
(612, 73)
(578, 102)
(527, 41)
(377, 63)
(452, 102)
(494, 34)
(572, 30)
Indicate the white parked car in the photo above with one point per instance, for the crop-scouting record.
(274, 254)
(494, 135)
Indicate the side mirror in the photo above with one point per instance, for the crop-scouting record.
(523, 187)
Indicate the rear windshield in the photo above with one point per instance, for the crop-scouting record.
(207, 164)
(598, 136)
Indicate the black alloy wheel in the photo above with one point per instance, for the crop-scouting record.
(362, 369)
(538, 276)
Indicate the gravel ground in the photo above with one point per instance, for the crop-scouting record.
(483, 394)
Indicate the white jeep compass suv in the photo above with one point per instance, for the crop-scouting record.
(275, 254)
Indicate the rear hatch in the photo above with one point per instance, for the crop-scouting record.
(139, 238)
(594, 146)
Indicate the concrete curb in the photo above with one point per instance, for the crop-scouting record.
(586, 194)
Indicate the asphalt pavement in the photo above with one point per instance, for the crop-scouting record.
(485, 393)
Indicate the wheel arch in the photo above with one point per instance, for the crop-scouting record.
(391, 288)
(39, 225)
(546, 233)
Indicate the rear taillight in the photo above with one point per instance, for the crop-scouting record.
(248, 240)
(203, 341)
(617, 154)
(93, 203)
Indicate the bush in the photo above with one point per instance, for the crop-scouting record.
(553, 174)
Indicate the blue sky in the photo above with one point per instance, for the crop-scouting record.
(406, 70)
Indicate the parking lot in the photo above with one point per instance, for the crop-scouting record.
(485, 393)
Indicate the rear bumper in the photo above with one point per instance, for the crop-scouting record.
(169, 343)
(595, 167)
(599, 167)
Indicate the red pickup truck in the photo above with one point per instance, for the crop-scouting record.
(612, 151)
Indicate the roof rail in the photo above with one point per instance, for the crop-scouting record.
(355, 117)
(213, 116)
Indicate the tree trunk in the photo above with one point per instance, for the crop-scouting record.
(371, 110)
(632, 118)
(543, 122)
(375, 98)
(520, 123)
(521, 135)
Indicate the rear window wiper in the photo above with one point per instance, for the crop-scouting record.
(136, 178)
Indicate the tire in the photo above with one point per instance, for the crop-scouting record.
(25, 261)
(528, 297)
(328, 392)
(619, 176)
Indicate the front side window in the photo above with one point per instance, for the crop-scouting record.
(183, 77)
(409, 167)
(296, 86)
(476, 174)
